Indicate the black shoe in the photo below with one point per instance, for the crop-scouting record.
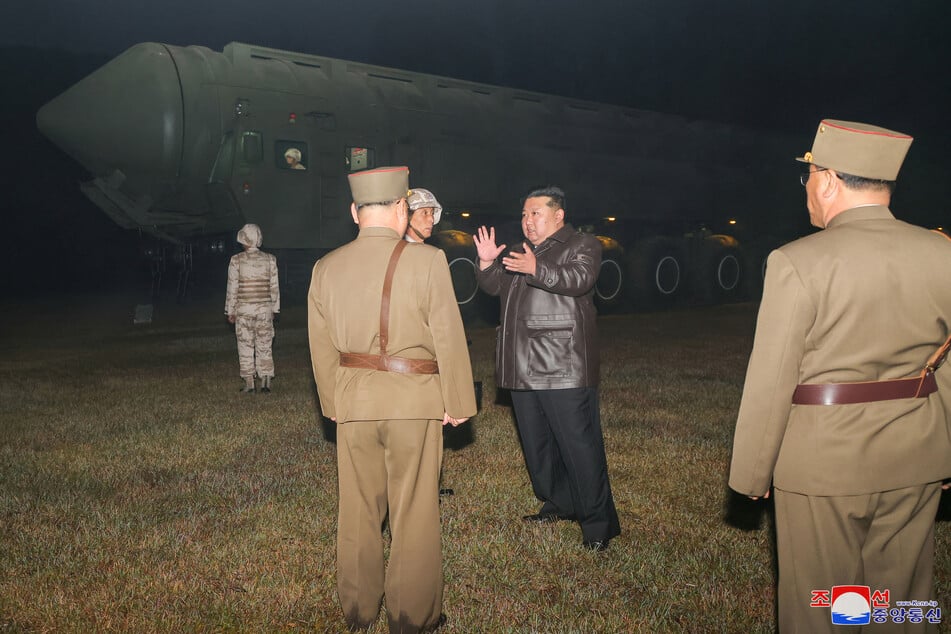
(546, 518)
(597, 546)
(446, 492)
(266, 390)
(435, 626)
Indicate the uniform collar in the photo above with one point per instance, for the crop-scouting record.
(863, 212)
(377, 232)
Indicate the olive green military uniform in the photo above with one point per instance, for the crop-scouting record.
(856, 485)
(389, 436)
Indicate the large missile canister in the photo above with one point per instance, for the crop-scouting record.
(108, 121)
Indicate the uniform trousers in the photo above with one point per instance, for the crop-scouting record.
(255, 334)
(389, 466)
(560, 431)
(881, 540)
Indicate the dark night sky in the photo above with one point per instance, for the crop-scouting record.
(764, 63)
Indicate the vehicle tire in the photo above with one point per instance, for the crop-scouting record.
(755, 260)
(461, 256)
(655, 272)
(609, 289)
(719, 270)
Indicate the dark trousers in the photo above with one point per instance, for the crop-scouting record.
(561, 438)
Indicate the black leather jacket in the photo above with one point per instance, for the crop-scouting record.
(548, 337)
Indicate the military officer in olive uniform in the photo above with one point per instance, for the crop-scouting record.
(839, 413)
(391, 364)
(252, 299)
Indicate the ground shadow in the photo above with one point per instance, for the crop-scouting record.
(741, 512)
(944, 507)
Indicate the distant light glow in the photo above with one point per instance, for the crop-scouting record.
(465, 214)
(731, 221)
(611, 218)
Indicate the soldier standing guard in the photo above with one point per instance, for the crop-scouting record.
(252, 299)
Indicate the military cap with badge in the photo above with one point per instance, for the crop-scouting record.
(858, 149)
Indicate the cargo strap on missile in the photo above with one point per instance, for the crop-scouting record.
(870, 391)
(383, 361)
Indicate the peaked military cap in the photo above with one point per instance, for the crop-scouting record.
(380, 185)
(859, 149)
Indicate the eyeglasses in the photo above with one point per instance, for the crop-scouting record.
(804, 178)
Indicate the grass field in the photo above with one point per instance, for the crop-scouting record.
(140, 492)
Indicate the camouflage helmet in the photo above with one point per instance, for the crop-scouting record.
(250, 235)
(419, 198)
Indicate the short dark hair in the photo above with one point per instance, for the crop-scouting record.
(557, 195)
(379, 204)
(868, 184)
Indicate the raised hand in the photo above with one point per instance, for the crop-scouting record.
(485, 245)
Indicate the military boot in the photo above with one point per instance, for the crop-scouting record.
(266, 383)
(248, 385)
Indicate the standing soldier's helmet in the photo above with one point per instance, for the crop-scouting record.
(419, 198)
(250, 235)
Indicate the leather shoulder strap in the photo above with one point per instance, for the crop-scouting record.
(938, 357)
(385, 303)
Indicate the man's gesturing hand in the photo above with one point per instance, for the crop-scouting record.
(486, 247)
(520, 262)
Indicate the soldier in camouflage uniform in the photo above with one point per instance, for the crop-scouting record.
(252, 299)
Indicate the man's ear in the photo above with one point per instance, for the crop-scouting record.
(353, 212)
(830, 185)
(560, 215)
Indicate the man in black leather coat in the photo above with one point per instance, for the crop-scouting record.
(547, 355)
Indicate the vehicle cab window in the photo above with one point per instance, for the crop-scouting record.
(360, 158)
(291, 155)
(252, 147)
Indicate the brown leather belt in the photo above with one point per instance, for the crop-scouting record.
(388, 363)
(871, 391)
(383, 361)
(867, 392)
